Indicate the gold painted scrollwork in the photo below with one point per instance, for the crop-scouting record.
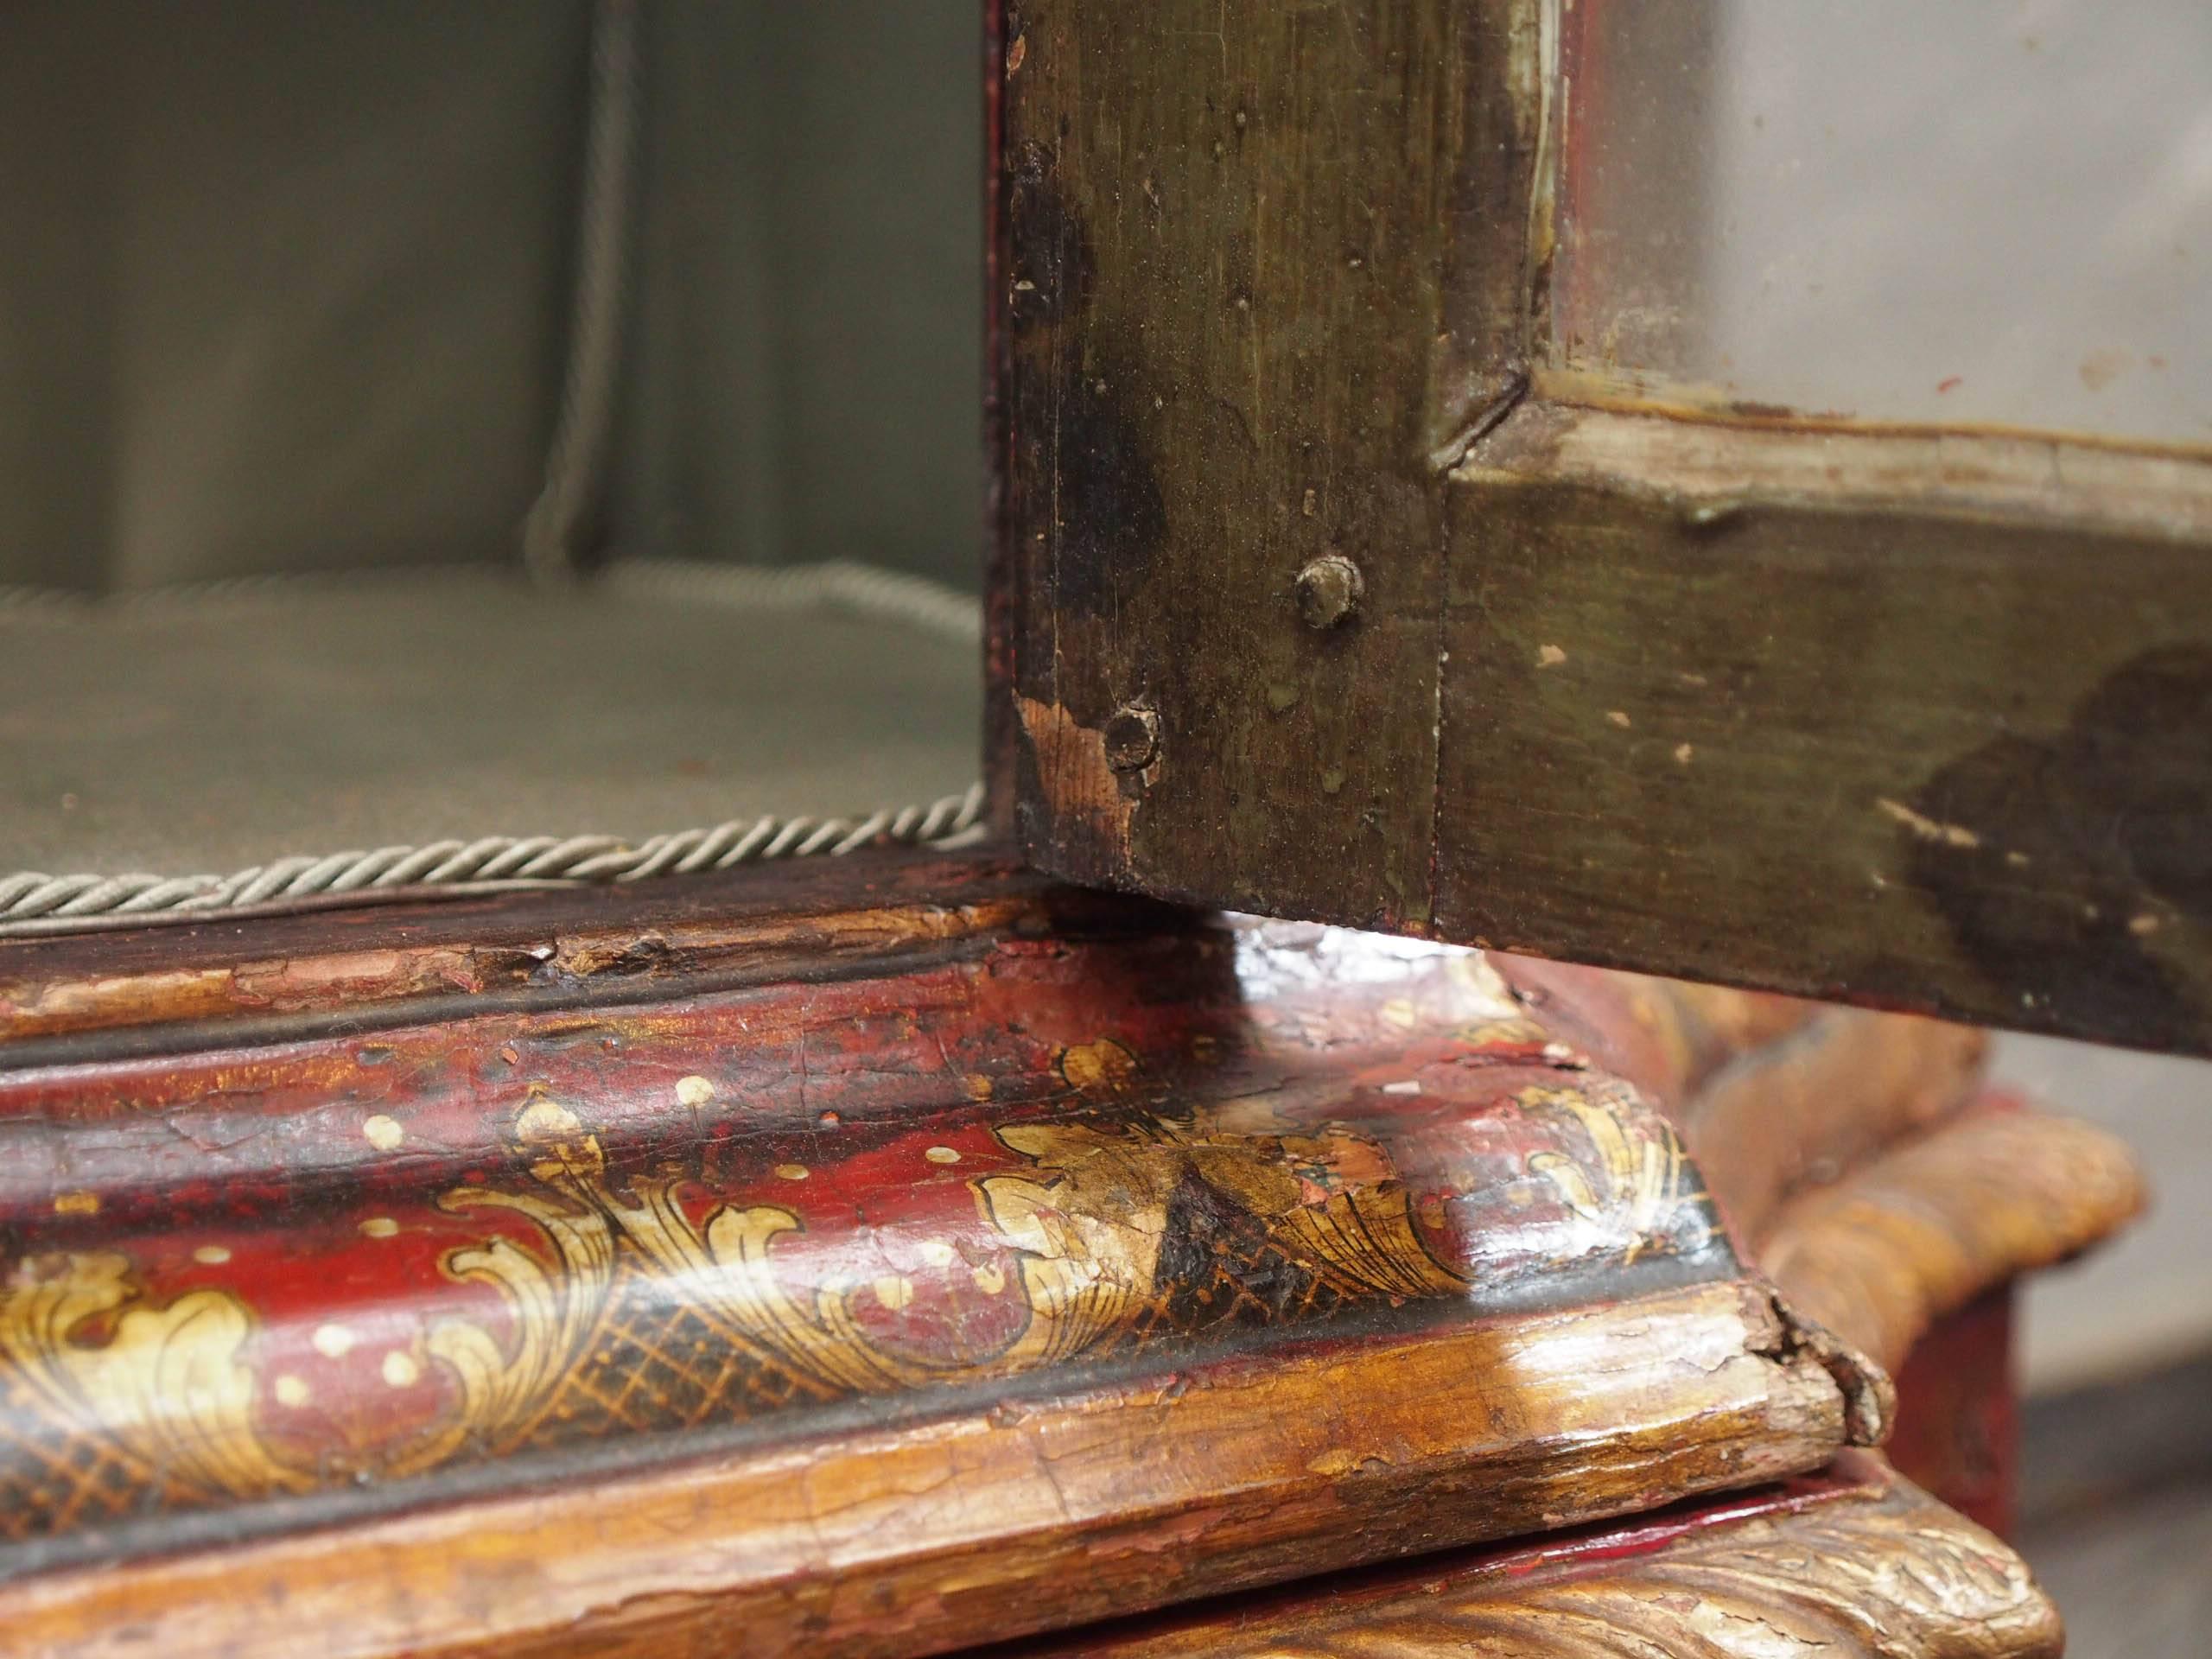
(167, 1389)
(1892, 1577)
(1640, 1179)
(170, 1388)
(553, 1308)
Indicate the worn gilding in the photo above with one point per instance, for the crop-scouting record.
(454, 1247)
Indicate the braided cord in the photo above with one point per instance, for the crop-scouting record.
(33, 901)
(30, 897)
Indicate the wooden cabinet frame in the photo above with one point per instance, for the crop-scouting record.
(1318, 592)
(1915, 716)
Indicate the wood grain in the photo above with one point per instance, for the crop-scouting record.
(1915, 719)
(1009, 1264)
(914, 1539)
(171, 987)
(1263, 265)
(1863, 1567)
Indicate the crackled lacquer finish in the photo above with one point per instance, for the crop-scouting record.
(323, 1272)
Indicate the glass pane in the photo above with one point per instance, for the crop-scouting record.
(1978, 211)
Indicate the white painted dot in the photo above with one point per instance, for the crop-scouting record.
(400, 1370)
(291, 1391)
(941, 1155)
(894, 1291)
(937, 1252)
(792, 1172)
(333, 1341)
(383, 1133)
(212, 1256)
(694, 1091)
(379, 1227)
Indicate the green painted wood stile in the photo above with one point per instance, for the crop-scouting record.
(1904, 715)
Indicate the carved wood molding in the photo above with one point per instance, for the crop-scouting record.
(1077, 1267)
(1878, 1572)
(1923, 1231)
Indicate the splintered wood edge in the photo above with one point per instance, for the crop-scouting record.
(1920, 1231)
(444, 960)
(1880, 1572)
(1027, 1516)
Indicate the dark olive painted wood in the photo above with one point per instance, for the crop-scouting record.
(1912, 718)
(1265, 270)
(1916, 754)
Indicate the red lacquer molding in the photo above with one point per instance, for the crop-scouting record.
(1093, 1186)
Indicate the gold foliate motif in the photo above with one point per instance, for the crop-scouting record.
(1641, 1178)
(1896, 1577)
(167, 1389)
(170, 1388)
(170, 1391)
(554, 1308)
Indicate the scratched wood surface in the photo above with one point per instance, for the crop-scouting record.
(931, 1288)
(664, 1291)
(1914, 718)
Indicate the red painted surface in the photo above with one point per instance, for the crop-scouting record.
(738, 1208)
(1958, 1422)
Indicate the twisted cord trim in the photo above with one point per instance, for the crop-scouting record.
(31, 897)
(34, 901)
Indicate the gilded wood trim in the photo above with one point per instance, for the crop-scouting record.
(1788, 1116)
(1880, 1572)
(918, 1538)
(1079, 1263)
(1921, 1232)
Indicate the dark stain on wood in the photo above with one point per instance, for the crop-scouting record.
(1922, 752)
(1699, 689)
(1233, 360)
(2114, 809)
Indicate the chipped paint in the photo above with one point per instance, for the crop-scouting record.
(1928, 829)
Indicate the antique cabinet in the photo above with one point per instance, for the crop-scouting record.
(463, 1192)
